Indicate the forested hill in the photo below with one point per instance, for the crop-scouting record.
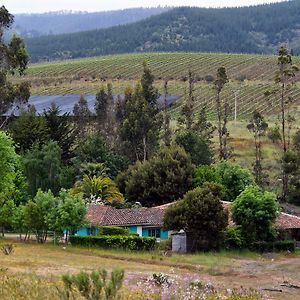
(256, 29)
(33, 25)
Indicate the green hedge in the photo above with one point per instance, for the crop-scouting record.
(274, 247)
(115, 242)
(114, 230)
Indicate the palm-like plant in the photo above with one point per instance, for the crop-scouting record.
(98, 189)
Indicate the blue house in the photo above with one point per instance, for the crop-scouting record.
(146, 222)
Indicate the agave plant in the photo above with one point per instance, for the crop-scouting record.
(98, 189)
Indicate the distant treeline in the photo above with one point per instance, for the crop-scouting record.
(256, 29)
(34, 25)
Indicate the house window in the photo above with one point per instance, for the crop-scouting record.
(154, 232)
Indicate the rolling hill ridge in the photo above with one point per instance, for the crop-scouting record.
(257, 29)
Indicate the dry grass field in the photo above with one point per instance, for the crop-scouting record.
(274, 276)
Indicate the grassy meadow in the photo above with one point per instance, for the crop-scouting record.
(40, 268)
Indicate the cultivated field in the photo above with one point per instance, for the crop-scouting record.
(250, 77)
(274, 276)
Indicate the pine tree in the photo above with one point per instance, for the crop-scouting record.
(140, 127)
(82, 116)
(150, 93)
(61, 129)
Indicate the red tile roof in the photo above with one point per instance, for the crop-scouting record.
(108, 216)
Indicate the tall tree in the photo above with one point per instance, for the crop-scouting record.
(29, 129)
(286, 71)
(43, 168)
(167, 132)
(61, 130)
(13, 58)
(150, 93)
(8, 163)
(106, 114)
(101, 105)
(258, 126)
(222, 113)
(82, 116)
(201, 214)
(187, 113)
(140, 128)
(162, 179)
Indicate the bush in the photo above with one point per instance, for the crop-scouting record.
(256, 212)
(277, 246)
(233, 238)
(114, 230)
(115, 242)
(93, 286)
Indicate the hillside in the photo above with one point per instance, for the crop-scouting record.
(256, 29)
(33, 25)
(250, 76)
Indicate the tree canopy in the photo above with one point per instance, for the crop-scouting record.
(201, 214)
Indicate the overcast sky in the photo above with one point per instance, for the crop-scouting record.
(33, 6)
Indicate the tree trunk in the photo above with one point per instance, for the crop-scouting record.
(285, 178)
(145, 148)
(219, 112)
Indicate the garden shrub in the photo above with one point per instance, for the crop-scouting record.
(277, 246)
(233, 238)
(115, 242)
(114, 230)
(94, 286)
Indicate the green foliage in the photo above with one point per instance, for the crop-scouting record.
(113, 230)
(95, 150)
(231, 176)
(130, 242)
(13, 59)
(204, 174)
(46, 212)
(61, 130)
(162, 179)
(150, 93)
(94, 286)
(233, 238)
(197, 147)
(7, 208)
(47, 163)
(69, 213)
(223, 110)
(258, 126)
(274, 134)
(255, 212)
(140, 127)
(29, 129)
(291, 167)
(201, 214)
(98, 189)
(277, 246)
(8, 163)
(234, 179)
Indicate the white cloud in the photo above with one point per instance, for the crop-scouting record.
(32, 6)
